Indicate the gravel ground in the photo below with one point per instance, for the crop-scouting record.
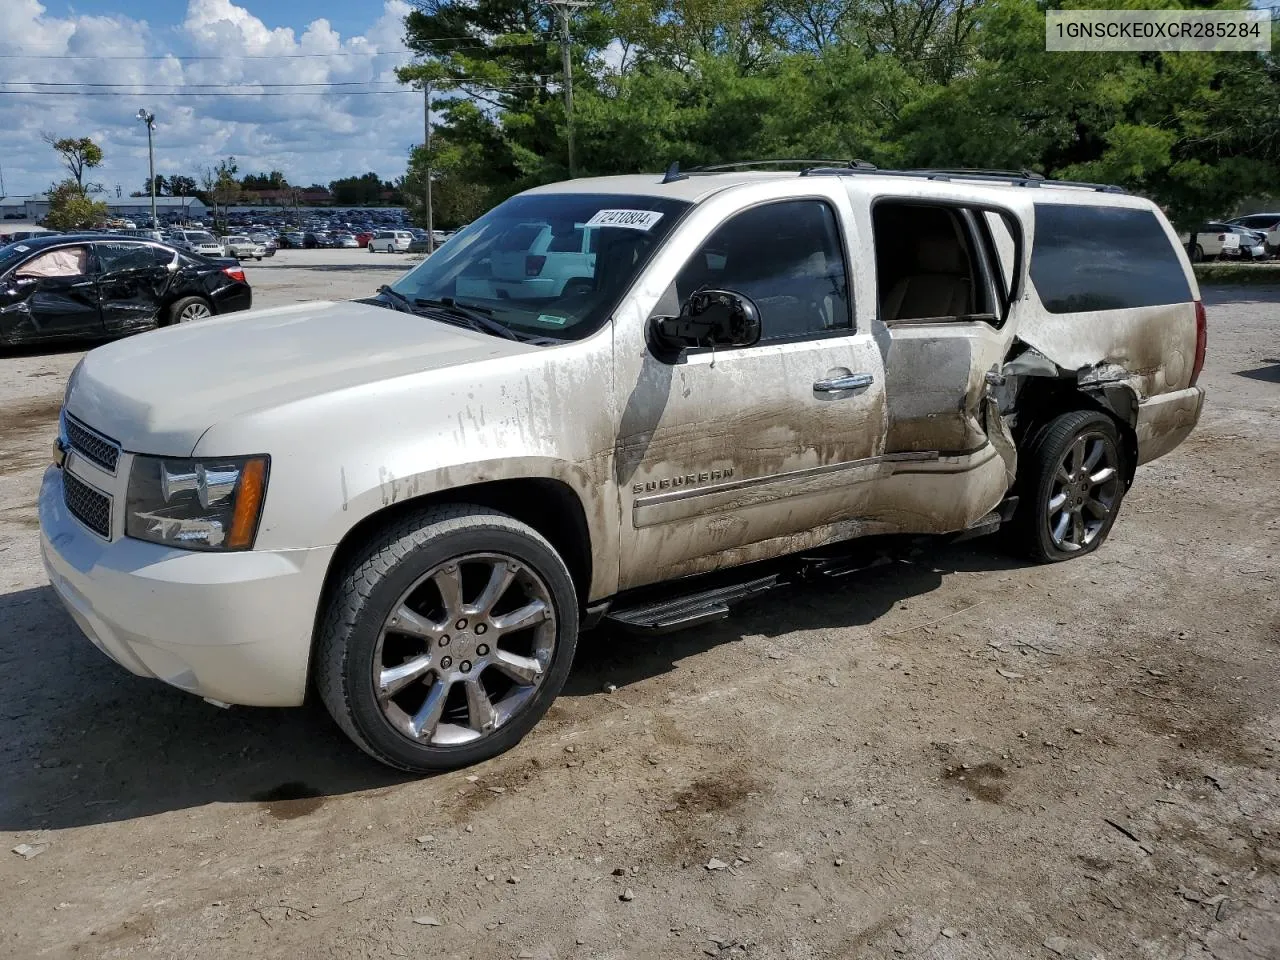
(956, 756)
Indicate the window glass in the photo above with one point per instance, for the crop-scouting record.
(501, 266)
(1103, 258)
(115, 257)
(63, 262)
(786, 257)
(566, 241)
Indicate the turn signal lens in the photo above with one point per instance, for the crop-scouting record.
(1202, 339)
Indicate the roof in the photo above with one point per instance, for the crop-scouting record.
(697, 186)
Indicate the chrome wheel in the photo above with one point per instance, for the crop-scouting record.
(194, 311)
(1085, 492)
(464, 649)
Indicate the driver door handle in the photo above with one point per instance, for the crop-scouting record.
(854, 381)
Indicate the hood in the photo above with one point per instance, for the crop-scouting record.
(159, 391)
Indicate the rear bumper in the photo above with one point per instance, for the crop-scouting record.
(233, 627)
(234, 298)
(1164, 421)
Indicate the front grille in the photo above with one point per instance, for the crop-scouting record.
(92, 445)
(87, 505)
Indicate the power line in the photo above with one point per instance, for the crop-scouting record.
(273, 93)
(479, 41)
(216, 86)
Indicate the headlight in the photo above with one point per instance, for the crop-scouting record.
(210, 504)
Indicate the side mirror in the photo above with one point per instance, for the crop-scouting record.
(711, 318)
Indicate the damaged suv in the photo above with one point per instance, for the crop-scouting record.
(414, 503)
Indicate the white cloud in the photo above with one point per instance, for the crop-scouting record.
(310, 138)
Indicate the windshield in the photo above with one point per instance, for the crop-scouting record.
(547, 265)
(201, 238)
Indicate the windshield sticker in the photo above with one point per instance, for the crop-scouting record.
(552, 321)
(631, 219)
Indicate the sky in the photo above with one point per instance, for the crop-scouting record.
(312, 139)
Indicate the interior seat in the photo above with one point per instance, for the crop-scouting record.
(938, 285)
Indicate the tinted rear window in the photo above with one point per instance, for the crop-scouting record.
(1103, 258)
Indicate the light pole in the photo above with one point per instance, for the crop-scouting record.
(150, 120)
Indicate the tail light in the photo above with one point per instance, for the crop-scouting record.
(235, 273)
(533, 266)
(1202, 333)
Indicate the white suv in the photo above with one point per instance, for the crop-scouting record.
(418, 512)
(201, 242)
(390, 241)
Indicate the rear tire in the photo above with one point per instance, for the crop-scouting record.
(1197, 255)
(1072, 482)
(188, 309)
(407, 658)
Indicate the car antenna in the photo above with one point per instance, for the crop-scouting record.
(673, 173)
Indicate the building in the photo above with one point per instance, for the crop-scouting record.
(137, 209)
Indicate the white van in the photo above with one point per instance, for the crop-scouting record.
(390, 241)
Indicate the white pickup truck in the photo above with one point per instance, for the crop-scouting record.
(415, 502)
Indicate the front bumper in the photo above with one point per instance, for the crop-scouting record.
(233, 627)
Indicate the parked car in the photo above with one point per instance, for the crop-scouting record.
(363, 237)
(1266, 223)
(345, 241)
(390, 241)
(90, 285)
(537, 260)
(722, 394)
(201, 242)
(293, 240)
(1216, 240)
(242, 248)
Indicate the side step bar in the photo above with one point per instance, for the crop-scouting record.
(665, 616)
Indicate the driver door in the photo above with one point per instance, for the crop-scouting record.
(52, 295)
(732, 455)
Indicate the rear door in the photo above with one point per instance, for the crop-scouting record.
(53, 294)
(132, 278)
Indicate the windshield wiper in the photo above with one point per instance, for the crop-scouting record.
(474, 317)
(399, 299)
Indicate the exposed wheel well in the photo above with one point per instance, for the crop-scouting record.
(549, 506)
(1041, 399)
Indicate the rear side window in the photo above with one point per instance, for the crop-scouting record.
(1103, 258)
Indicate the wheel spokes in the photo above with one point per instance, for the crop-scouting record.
(500, 578)
(479, 707)
(1055, 504)
(1097, 508)
(1077, 528)
(449, 582)
(405, 620)
(1077, 457)
(423, 723)
(523, 670)
(529, 615)
(1094, 455)
(394, 679)
(1104, 475)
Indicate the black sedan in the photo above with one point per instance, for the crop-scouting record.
(89, 285)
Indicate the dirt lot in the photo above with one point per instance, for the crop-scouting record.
(959, 756)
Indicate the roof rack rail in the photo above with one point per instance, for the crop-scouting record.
(999, 176)
(1023, 174)
(781, 161)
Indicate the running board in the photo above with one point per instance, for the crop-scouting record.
(690, 610)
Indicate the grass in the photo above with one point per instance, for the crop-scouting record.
(1224, 273)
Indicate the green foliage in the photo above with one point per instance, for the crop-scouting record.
(907, 83)
(70, 209)
(274, 180)
(78, 155)
(365, 190)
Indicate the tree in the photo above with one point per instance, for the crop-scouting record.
(220, 185)
(180, 186)
(78, 155)
(358, 191)
(275, 180)
(70, 209)
(456, 198)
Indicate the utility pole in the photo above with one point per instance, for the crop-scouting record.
(150, 120)
(426, 121)
(564, 8)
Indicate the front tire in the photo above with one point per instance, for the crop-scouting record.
(446, 638)
(1072, 481)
